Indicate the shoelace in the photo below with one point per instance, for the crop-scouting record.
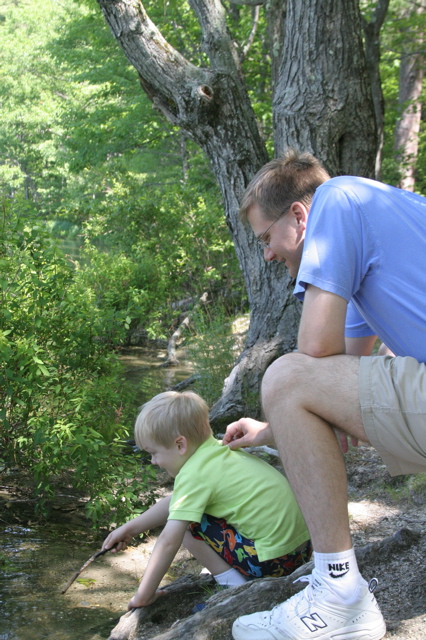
(308, 593)
(294, 600)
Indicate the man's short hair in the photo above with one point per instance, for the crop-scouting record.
(293, 177)
(171, 414)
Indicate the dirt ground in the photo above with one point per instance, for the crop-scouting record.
(379, 506)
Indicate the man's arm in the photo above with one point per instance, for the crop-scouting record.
(322, 334)
(166, 548)
(322, 325)
(247, 432)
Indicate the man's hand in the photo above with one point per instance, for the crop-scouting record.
(247, 432)
(343, 439)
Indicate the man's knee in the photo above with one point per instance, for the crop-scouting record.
(286, 373)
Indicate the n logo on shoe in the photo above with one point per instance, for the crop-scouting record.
(313, 622)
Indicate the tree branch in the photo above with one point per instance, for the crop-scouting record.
(171, 348)
(217, 41)
(253, 31)
(168, 78)
(248, 3)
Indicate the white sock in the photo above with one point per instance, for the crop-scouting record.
(230, 578)
(340, 571)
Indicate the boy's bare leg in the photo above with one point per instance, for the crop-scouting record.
(303, 399)
(205, 555)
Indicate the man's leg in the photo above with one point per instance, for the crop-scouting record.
(303, 399)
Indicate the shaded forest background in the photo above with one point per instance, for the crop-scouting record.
(112, 226)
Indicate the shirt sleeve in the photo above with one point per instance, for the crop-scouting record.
(337, 246)
(356, 326)
(190, 498)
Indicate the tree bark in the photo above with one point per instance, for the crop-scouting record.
(322, 101)
(212, 106)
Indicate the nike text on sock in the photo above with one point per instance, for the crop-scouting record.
(338, 569)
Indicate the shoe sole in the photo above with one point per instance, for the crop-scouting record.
(361, 633)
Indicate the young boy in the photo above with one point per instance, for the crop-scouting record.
(235, 513)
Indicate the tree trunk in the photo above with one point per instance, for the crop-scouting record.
(372, 54)
(410, 88)
(211, 105)
(322, 101)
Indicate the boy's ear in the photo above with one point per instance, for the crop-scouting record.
(182, 445)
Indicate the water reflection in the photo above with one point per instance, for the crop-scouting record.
(143, 368)
(35, 562)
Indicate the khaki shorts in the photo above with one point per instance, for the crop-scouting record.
(392, 394)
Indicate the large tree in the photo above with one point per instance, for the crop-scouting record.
(322, 102)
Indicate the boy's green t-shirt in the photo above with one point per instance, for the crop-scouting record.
(248, 493)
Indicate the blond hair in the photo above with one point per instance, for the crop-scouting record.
(293, 177)
(171, 414)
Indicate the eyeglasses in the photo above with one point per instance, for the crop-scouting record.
(263, 244)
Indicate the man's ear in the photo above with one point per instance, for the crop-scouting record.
(300, 212)
(182, 445)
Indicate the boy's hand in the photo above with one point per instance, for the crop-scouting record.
(247, 432)
(139, 601)
(120, 537)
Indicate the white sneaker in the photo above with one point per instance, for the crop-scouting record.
(316, 613)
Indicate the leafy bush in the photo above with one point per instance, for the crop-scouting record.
(213, 351)
(146, 251)
(61, 387)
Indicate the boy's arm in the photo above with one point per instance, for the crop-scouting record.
(166, 548)
(153, 517)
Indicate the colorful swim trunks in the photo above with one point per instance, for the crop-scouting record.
(240, 552)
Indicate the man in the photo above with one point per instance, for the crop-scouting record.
(357, 248)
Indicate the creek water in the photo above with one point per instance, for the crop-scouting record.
(41, 559)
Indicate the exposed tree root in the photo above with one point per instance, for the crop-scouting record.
(215, 621)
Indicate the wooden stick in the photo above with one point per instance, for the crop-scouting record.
(86, 564)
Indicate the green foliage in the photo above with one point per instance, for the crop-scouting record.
(134, 205)
(73, 117)
(61, 385)
(136, 209)
(399, 37)
(86, 582)
(213, 351)
(151, 249)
